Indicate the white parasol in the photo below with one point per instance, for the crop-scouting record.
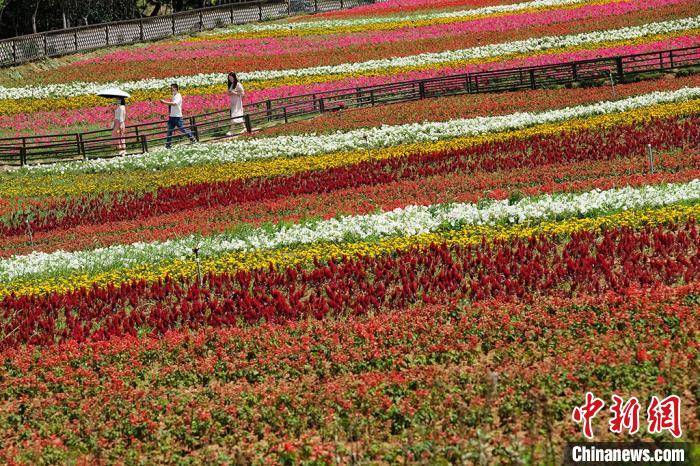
(113, 92)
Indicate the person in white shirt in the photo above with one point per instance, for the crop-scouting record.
(175, 116)
(236, 93)
(119, 125)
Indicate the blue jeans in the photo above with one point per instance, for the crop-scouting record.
(176, 122)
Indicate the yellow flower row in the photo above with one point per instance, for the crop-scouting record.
(29, 105)
(284, 257)
(26, 186)
(399, 23)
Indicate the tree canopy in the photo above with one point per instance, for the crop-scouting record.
(18, 17)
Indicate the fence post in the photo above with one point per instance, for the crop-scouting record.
(231, 12)
(574, 71)
(246, 121)
(341, 4)
(315, 6)
(321, 105)
(201, 22)
(421, 89)
(173, 23)
(75, 40)
(620, 70)
(193, 128)
(371, 97)
(23, 153)
(661, 61)
(284, 110)
(107, 35)
(46, 46)
(670, 57)
(268, 108)
(14, 51)
(141, 29)
(81, 145)
(144, 144)
(469, 83)
(260, 10)
(533, 84)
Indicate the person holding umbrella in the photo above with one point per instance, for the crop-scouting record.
(119, 121)
(119, 125)
(175, 116)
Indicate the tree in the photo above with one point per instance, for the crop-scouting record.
(86, 10)
(19, 17)
(67, 6)
(36, 8)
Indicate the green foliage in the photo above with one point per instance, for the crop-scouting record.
(16, 15)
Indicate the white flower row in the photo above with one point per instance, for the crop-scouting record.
(240, 150)
(526, 46)
(411, 220)
(366, 21)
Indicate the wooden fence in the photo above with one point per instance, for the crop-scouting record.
(214, 125)
(80, 39)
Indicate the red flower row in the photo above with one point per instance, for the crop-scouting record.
(673, 167)
(589, 145)
(269, 391)
(518, 269)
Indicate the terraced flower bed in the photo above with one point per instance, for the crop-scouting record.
(432, 282)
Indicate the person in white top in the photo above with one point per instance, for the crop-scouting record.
(235, 92)
(175, 116)
(119, 125)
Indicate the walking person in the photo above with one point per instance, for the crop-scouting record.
(119, 125)
(175, 116)
(236, 93)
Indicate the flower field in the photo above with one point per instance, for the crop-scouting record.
(433, 282)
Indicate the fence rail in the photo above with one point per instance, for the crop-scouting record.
(214, 125)
(80, 39)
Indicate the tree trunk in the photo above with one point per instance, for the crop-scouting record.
(156, 8)
(65, 20)
(36, 8)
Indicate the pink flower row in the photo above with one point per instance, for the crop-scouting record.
(147, 111)
(192, 50)
(403, 6)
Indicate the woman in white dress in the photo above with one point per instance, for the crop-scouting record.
(235, 92)
(119, 125)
